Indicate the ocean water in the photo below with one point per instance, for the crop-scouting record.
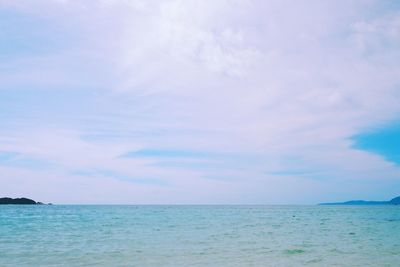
(199, 236)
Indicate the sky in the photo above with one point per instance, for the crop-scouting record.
(199, 102)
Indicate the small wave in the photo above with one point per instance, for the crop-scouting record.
(294, 251)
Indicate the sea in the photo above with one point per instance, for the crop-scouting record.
(128, 235)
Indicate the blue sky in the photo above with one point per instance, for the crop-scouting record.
(199, 102)
(384, 141)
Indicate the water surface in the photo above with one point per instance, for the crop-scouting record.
(199, 236)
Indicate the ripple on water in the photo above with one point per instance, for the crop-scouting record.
(294, 251)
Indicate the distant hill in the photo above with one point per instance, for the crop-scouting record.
(394, 201)
(18, 201)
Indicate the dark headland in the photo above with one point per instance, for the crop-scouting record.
(18, 201)
(394, 201)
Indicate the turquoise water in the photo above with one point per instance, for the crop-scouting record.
(199, 236)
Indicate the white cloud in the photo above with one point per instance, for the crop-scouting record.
(268, 80)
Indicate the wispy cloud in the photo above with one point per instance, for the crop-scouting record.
(154, 153)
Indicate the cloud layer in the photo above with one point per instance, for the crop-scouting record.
(196, 102)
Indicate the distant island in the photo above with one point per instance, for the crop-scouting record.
(394, 201)
(18, 201)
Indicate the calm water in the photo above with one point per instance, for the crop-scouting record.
(199, 236)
